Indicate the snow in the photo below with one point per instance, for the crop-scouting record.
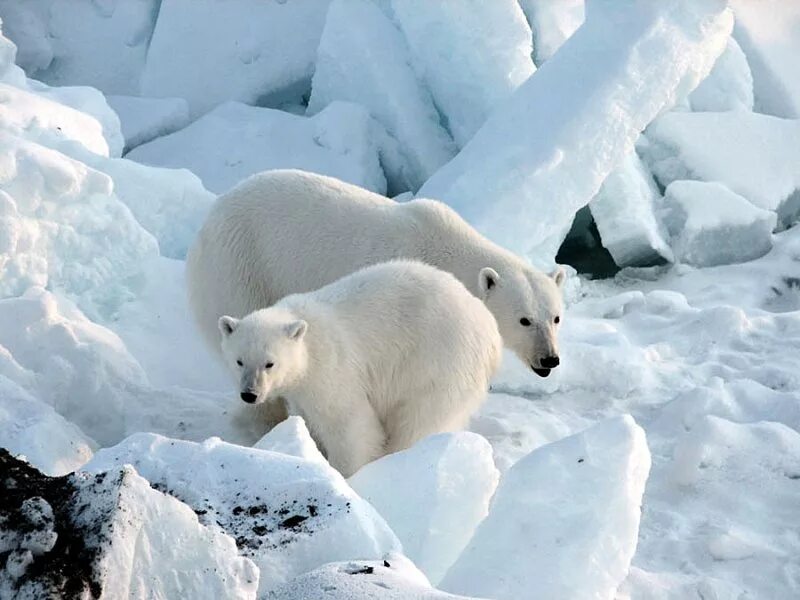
(395, 577)
(34, 430)
(234, 141)
(624, 211)
(110, 534)
(756, 156)
(370, 64)
(432, 495)
(271, 61)
(552, 22)
(769, 33)
(602, 472)
(289, 515)
(471, 55)
(729, 85)
(291, 437)
(144, 119)
(544, 153)
(82, 42)
(711, 225)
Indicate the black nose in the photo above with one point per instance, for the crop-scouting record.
(550, 362)
(248, 397)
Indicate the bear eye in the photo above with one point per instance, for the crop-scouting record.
(525, 322)
(557, 320)
(269, 365)
(238, 362)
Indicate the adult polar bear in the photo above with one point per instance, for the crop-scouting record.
(286, 231)
(373, 362)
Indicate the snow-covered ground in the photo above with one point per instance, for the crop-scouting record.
(661, 460)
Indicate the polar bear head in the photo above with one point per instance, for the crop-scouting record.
(265, 350)
(527, 306)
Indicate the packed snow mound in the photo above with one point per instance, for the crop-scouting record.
(289, 515)
(291, 437)
(395, 578)
(432, 495)
(729, 86)
(757, 156)
(471, 55)
(61, 227)
(544, 153)
(552, 22)
(33, 430)
(363, 58)
(769, 33)
(711, 225)
(144, 119)
(255, 52)
(71, 43)
(234, 141)
(624, 211)
(602, 472)
(171, 204)
(109, 535)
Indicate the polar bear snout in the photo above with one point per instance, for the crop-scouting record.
(249, 397)
(550, 362)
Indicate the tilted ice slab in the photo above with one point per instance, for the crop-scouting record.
(62, 227)
(291, 437)
(101, 44)
(757, 156)
(769, 33)
(433, 496)
(564, 521)
(289, 515)
(711, 225)
(363, 58)
(109, 535)
(394, 578)
(624, 212)
(552, 22)
(729, 85)
(234, 141)
(144, 119)
(34, 430)
(471, 54)
(211, 51)
(544, 153)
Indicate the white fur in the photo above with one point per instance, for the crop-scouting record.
(285, 232)
(374, 361)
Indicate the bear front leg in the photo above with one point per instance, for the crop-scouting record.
(353, 437)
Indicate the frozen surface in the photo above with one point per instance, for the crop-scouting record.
(34, 430)
(729, 85)
(602, 472)
(756, 156)
(72, 43)
(289, 515)
(711, 225)
(144, 119)
(235, 140)
(545, 152)
(253, 51)
(471, 54)
(552, 22)
(110, 534)
(432, 495)
(395, 577)
(769, 33)
(370, 63)
(293, 438)
(624, 211)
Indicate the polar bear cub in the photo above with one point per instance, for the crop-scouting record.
(373, 362)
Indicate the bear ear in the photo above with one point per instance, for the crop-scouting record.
(296, 329)
(227, 325)
(559, 276)
(487, 280)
